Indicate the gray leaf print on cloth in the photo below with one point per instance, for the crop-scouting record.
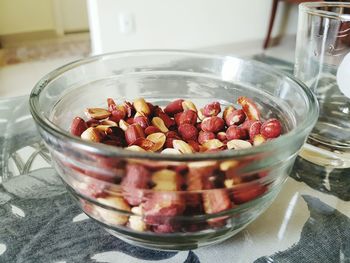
(40, 183)
(325, 237)
(52, 229)
(4, 198)
(335, 182)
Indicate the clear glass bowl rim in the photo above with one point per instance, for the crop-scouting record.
(112, 151)
(310, 7)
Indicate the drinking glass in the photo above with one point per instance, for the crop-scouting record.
(323, 64)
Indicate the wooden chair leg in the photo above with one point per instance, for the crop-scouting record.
(272, 20)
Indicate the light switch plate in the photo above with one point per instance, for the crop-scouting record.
(126, 23)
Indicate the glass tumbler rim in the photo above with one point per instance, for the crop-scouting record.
(310, 7)
(106, 150)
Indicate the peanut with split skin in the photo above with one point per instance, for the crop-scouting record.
(249, 108)
(186, 117)
(205, 136)
(212, 109)
(236, 117)
(212, 124)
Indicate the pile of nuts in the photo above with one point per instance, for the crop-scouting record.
(179, 128)
(157, 192)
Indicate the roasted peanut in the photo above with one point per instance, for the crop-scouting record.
(170, 151)
(142, 121)
(250, 108)
(233, 132)
(195, 145)
(162, 205)
(166, 180)
(200, 114)
(142, 107)
(123, 125)
(212, 124)
(97, 113)
(186, 117)
(226, 165)
(151, 129)
(205, 136)
(271, 128)
(91, 134)
(238, 144)
(135, 148)
(227, 111)
(133, 132)
(212, 109)
(258, 139)
(130, 110)
(188, 132)
(136, 179)
(236, 117)
(254, 129)
(212, 144)
(78, 126)
(136, 223)
(118, 113)
(144, 143)
(158, 139)
(215, 201)
(221, 136)
(174, 107)
(159, 123)
(110, 216)
(188, 105)
(182, 147)
(109, 123)
(169, 122)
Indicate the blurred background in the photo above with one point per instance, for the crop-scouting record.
(37, 36)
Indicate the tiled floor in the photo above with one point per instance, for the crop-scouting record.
(19, 79)
(21, 51)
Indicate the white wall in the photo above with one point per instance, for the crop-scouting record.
(21, 16)
(180, 24)
(74, 15)
(18, 16)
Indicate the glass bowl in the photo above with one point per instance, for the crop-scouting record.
(171, 219)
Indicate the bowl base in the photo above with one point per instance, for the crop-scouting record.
(178, 243)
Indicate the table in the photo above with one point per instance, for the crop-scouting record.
(308, 222)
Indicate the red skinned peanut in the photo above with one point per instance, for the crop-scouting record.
(174, 107)
(271, 128)
(189, 117)
(188, 132)
(142, 121)
(234, 132)
(254, 129)
(205, 136)
(133, 132)
(158, 112)
(78, 126)
(212, 109)
(236, 117)
(136, 178)
(151, 129)
(212, 124)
